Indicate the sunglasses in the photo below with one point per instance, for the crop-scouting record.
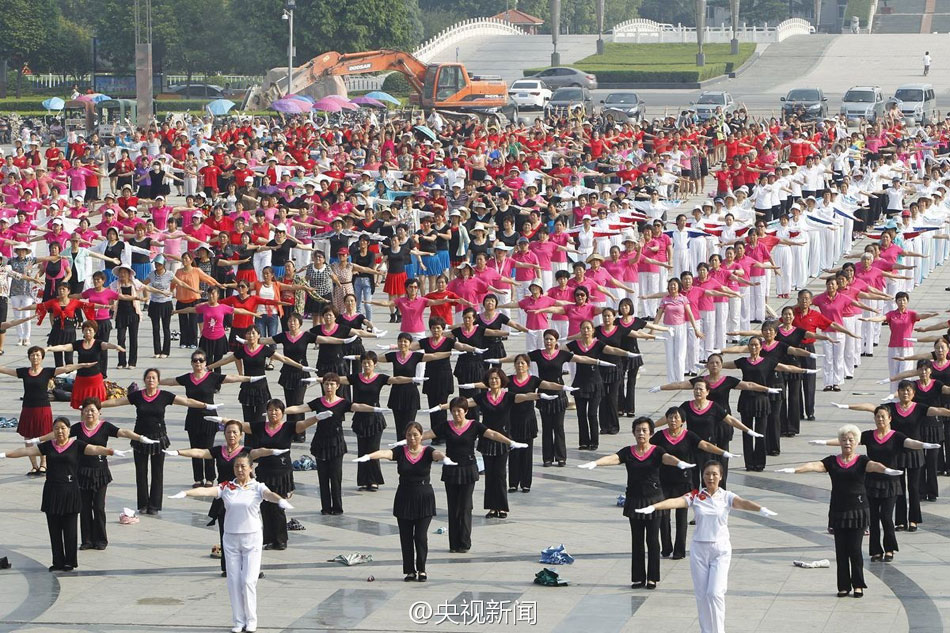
(198, 360)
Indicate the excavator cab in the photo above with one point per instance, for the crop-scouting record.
(442, 82)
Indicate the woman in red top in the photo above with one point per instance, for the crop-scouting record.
(444, 310)
(64, 314)
(245, 302)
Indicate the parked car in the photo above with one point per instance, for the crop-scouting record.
(917, 102)
(529, 93)
(709, 102)
(863, 102)
(570, 99)
(561, 76)
(623, 106)
(808, 104)
(198, 91)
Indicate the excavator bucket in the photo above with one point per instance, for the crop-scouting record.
(274, 87)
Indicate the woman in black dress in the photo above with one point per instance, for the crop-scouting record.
(643, 461)
(357, 322)
(684, 444)
(150, 404)
(414, 503)
(329, 354)
(254, 357)
(907, 416)
(202, 385)
(328, 445)
(404, 399)
(931, 392)
(366, 386)
(849, 505)
(222, 458)
(62, 498)
(493, 319)
(886, 446)
(470, 367)
(630, 327)
(790, 416)
(754, 406)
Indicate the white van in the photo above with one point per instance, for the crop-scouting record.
(917, 102)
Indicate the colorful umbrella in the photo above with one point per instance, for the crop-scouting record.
(379, 95)
(219, 107)
(95, 97)
(54, 103)
(426, 131)
(300, 98)
(328, 105)
(291, 106)
(368, 101)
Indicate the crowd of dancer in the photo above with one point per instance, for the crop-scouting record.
(554, 250)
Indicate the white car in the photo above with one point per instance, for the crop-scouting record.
(529, 93)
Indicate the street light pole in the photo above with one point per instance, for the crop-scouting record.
(700, 31)
(289, 15)
(555, 29)
(734, 44)
(600, 27)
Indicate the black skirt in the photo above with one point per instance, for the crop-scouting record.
(491, 448)
(931, 431)
(254, 394)
(470, 368)
(61, 498)
(754, 404)
(327, 448)
(151, 449)
(881, 486)
(590, 389)
(910, 458)
(632, 503)
(858, 519)
(368, 424)
(291, 377)
(611, 374)
(553, 406)
(404, 398)
(279, 481)
(460, 474)
(496, 348)
(214, 347)
(524, 427)
(414, 501)
(94, 477)
(440, 386)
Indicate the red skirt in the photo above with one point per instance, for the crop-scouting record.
(35, 421)
(247, 275)
(87, 387)
(395, 284)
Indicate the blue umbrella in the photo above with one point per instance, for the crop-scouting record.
(53, 103)
(379, 95)
(219, 107)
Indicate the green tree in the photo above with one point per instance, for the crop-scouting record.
(68, 50)
(670, 11)
(25, 28)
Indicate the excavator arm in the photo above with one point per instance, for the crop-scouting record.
(334, 64)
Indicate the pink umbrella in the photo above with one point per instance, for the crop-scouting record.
(95, 97)
(343, 101)
(291, 106)
(368, 101)
(328, 105)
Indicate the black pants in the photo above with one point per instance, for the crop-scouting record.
(188, 324)
(92, 517)
(161, 316)
(438, 419)
(496, 486)
(648, 531)
(102, 334)
(609, 418)
(62, 538)
(944, 451)
(274, 521)
(882, 519)
(330, 475)
(368, 473)
(678, 546)
(754, 447)
(128, 324)
(929, 485)
(773, 427)
(202, 469)
(253, 413)
(808, 383)
(402, 418)
(587, 426)
(459, 501)
(294, 396)
(414, 541)
(908, 501)
(849, 558)
(224, 559)
(725, 437)
(628, 391)
(519, 466)
(791, 416)
(553, 445)
(65, 358)
(149, 497)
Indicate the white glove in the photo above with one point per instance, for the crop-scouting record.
(279, 451)
(654, 389)
(785, 471)
(569, 389)
(454, 353)
(588, 465)
(325, 415)
(684, 465)
(603, 363)
(362, 458)
(929, 446)
(382, 410)
(882, 381)
(240, 340)
(818, 442)
(514, 444)
(3, 455)
(466, 385)
(647, 510)
(256, 378)
(659, 337)
(547, 396)
(910, 339)
(481, 350)
(35, 441)
(213, 406)
(493, 361)
(811, 371)
(766, 512)
(399, 443)
(892, 472)
(432, 410)
(385, 347)
(815, 355)
(307, 380)
(378, 333)
(147, 440)
(447, 461)
(171, 452)
(351, 357)
(214, 418)
(283, 503)
(419, 380)
(178, 495)
(773, 390)
(716, 351)
(839, 406)
(752, 433)
(729, 455)
(515, 333)
(309, 370)
(350, 339)
(632, 355)
(119, 453)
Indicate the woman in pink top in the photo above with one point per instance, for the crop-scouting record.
(214, 340)
(674, 312)
(411, 307)
(577, 312)
(901, 322)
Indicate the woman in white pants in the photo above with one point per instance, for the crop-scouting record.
(711, 550)
(243, 537)
(674, 312)
(901, 323)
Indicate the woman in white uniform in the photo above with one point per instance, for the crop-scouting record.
(243, 537)
(710, 551)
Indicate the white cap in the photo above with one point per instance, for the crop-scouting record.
(281, 227)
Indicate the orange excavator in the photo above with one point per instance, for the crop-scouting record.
(443, 86)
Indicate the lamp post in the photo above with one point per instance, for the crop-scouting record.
(600, 27)
(289, 6)
(734, 44)
(700, 31)
(555, 28)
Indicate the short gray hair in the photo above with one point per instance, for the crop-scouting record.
(849, 429)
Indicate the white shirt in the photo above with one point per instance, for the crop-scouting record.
(712, 515)
(243, 506)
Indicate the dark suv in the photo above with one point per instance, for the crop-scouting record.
(808, 104)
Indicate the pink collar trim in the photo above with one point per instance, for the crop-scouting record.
(547, 357)
(199, 380)
(366, 380)
(328, 403)
(903, 411)
(439, 344)
(327, 332)
(756, 361)
(403, 361)
(692, 405)
(589, 347)
(713, 385)
(514, 379)
(229, 456)
(409, 455)
(674, 440)
(501, 396)
(459, 430)
(255, 352)
(90, 433)
(60, 449)
(843, 464)
(649, 451)
(294, 339)
(276, 429)
(881, 440)
(147, 399)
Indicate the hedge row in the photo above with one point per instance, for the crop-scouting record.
(627, 76)
(860, 8)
